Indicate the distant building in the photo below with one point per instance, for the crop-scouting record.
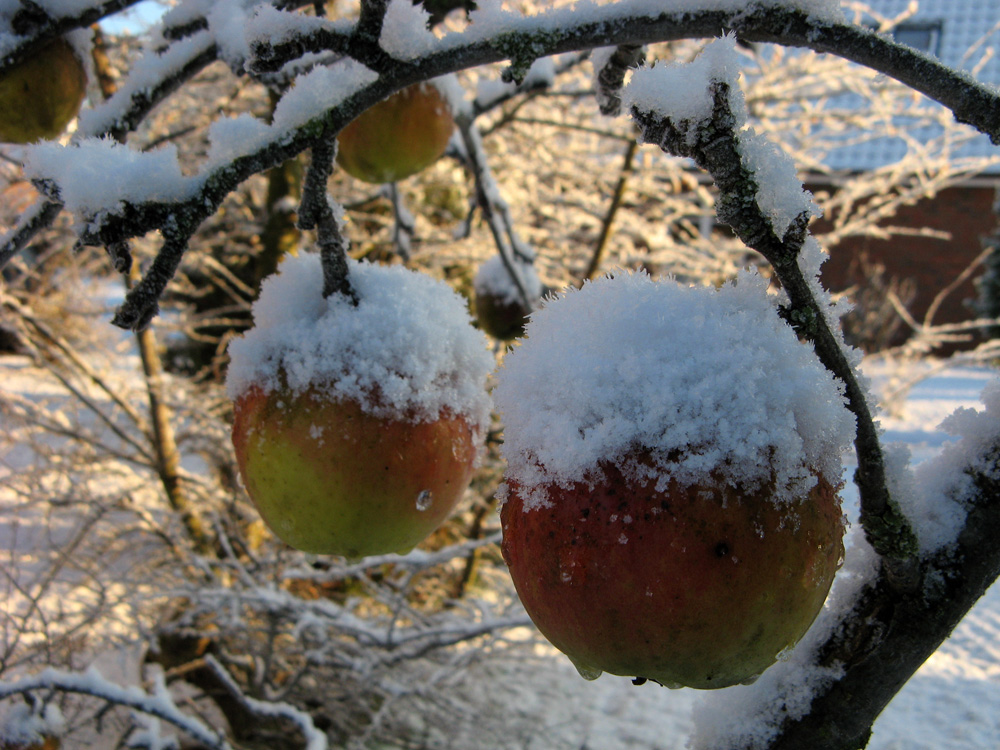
(958, 32)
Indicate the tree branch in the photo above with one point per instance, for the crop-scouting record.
(713, 145)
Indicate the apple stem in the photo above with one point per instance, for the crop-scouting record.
(317, 212)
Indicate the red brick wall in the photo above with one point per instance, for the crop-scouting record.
(964, 212)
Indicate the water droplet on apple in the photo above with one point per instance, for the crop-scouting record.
(424, 500)
(587, 672)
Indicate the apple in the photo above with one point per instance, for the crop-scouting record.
(701, 586)
(501, 310)
(397, 137)
(40, 95)
(670, 501)
(357, 422)
(329, 478)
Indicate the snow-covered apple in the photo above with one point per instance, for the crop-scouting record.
(357, 427)
(501, 306)
(398, 137)
(40, 95)
(671, 506)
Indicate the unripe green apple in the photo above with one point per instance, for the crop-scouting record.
(40, 95)
(701, 586)
(358, 420)
(329, 478)
(397, 137)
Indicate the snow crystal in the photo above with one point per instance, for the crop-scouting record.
(936, 494)
(405, 34)
(708, 380)
(269, 24)
(98, 175)
(319, 90)
(681, 91)
(494, 278)
(21, 726)
(231, 137)
(226, 21)
(780, 196)
(409, 339)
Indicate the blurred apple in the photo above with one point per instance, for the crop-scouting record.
(500, 316)
(397, 137)
(330, 478)
(701, 586)
(500, 307)
(40, 95)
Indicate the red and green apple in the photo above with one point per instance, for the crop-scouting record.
(328, 477)
(701, 586)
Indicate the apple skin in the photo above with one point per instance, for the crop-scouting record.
(702, 586)
(330, 478)
(397, 137)
(40, 95)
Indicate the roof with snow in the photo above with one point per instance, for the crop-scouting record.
(963, 34)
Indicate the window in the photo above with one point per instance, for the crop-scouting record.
(925, 36)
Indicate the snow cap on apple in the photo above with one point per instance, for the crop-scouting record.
(357, 427)
(673, 459)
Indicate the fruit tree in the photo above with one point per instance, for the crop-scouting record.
(665, 435)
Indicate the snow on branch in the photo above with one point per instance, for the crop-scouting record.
(323, 100)
(36, 21)
(315, 739)
(91, 683)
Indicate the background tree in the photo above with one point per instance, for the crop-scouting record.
(167, 173)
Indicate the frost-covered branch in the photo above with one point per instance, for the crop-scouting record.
(32, 23)
(391, 65)
(91, 683)
(758, 200)
(929, 531)
(315, 739)
(512, 250)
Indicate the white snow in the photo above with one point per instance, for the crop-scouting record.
(494, 278)
(409, 342)
(682, 92)
(630, 362)
(21, 724)
(81, 171)
(405, 35)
